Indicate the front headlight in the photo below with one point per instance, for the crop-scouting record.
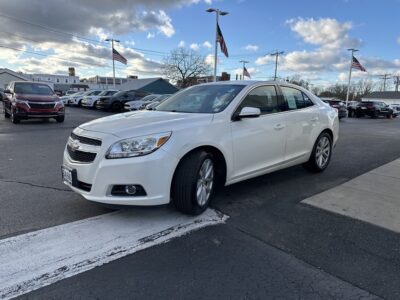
(138, 146)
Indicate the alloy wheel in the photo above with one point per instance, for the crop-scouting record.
(205, 182)
(323, 152)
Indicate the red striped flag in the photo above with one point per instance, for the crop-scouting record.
(119, 57)
(221, 41)
(355, 64)
(246, 73)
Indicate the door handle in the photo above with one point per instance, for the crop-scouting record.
(279, 126)
(314, 119)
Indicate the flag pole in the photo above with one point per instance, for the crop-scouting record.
(244, 66)
(112, 53)
(351, 68)
(216, 47)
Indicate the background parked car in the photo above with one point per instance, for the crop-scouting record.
(138, 103)
(373, 109)
(65, 99)
(28, 99)
(77, 100)
(117, 101)
(339, 105)
(91, 100)
(152, 105)
(351, 108)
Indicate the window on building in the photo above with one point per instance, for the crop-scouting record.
(66, 80)
(58, 80)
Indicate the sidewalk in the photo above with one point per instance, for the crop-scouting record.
(373, 197)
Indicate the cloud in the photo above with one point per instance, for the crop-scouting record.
(207, 45)
(42, 29)
(327, 33)
(150, 35)
(194, 46)
(251, 47)
(181, 44)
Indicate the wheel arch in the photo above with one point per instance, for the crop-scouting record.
(219, 160)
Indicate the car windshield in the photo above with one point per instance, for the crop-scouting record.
(107, 93)
(202, 99)
(149, 97)
(32, 88)
(118, 94)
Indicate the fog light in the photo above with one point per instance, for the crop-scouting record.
(130, 189)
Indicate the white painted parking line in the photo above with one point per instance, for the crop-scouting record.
(373, 197)
(36, 259)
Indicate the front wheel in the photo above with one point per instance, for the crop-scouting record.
(6, 114)
(116, 107)
(321, 154)
(60, 119)
(193, 184)
(14, 118)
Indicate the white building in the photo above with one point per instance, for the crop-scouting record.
(388, 97)
(55, 79)
(7, 75)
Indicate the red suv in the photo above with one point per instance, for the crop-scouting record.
(27, 100)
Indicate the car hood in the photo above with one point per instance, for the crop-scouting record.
(139, 123)
(36, 98)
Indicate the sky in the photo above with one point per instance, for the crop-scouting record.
(48, 36)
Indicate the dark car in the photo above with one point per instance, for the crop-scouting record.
(339, 105)
(117, 101)
(373, 109)
(27, 99)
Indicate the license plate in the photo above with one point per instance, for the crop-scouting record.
(66, 175)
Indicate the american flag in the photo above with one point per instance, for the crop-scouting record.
(245, 72)
(221, 41)
(119, 57)
(355, 64)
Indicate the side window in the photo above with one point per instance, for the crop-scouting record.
(295, 99)
(264, 98)
(307, 101)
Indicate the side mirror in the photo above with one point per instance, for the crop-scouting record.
(249, 112)
(7, 91)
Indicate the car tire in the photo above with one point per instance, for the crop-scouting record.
(318, 162)
(14, 118)
(6, 114)
(94, 105)
(194, 183)
(375, 115)
(60, 119)
(116, 107)
(80, 103)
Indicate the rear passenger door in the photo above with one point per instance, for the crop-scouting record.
(259, 143)
(302, 120)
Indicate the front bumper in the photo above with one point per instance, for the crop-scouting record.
(45, 113)
(103, 105)
(153, 172)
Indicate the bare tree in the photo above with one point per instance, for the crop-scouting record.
(296, 79)
(185, 66)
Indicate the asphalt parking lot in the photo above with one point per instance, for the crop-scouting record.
(272, 245)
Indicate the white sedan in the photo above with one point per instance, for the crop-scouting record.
(91, 100)
(201, 137)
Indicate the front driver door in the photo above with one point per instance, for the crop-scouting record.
(259, 143)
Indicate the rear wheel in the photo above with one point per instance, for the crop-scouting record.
(321, 154)
(194, 183)
(116, 107)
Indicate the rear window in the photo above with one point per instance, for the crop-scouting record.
(32, 88)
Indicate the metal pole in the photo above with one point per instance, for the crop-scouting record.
(276, 65)
(216, 46)
(348, 83)
(112, 53)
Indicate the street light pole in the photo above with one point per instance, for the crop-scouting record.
(112, 55)
(352, 50)
(217, 13)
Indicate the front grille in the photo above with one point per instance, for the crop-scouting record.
(36, 105)
(80, 156)
(86, 140)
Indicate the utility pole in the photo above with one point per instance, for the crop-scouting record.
(218, 13)
(397, 82)
(112, 54)
(244, 65)
(352, 50)
(385, 77)
(276, 54)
